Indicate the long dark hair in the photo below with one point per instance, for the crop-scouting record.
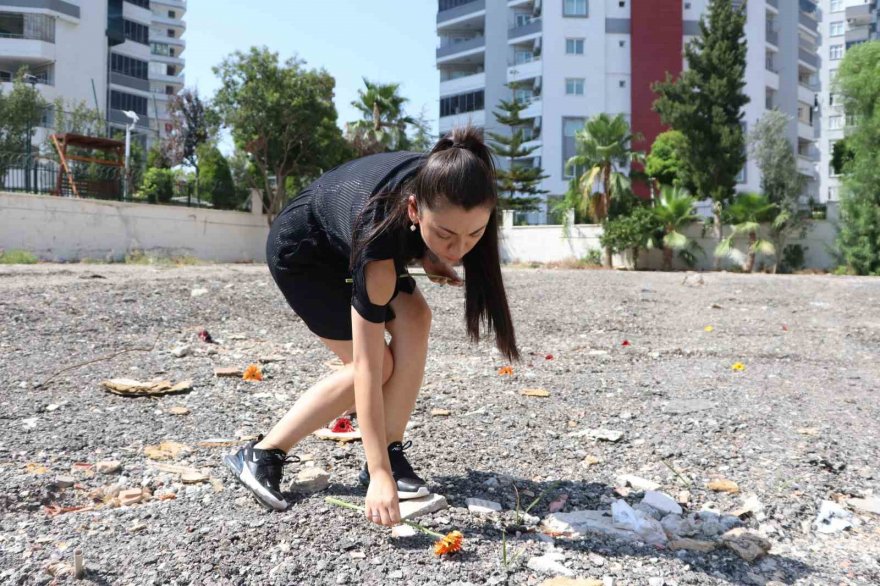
(459, 171)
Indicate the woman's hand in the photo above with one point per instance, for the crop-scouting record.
(382, 506)
(439, 271)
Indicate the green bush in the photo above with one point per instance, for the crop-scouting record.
(215, 179)
(793, 258)
(17, 257)
(158, 185)
(635, 231)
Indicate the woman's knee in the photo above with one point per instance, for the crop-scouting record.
(421, 317)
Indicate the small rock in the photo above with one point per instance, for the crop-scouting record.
(637, 482)
(691, 545)
(724, 485)
(558, 504)
(230, 371)
(655, 581)
(193, 477)
(311, 480)
(832, 518)
(746, 544)
(410, 509)
(181, 351)
(868, 505)
(684, 407)
(403, 531)
(130, 496)
(178, 410)
(648, 510)
(590, 461)
(566, 581)
(676, 526)
(64, 481)
(396, 574)
(550, 563)
(662, 502)
(108, 467)
(438, 412)
(198, 292)
(683, 497)
(475, 505)
(608, 435)
(52, 407)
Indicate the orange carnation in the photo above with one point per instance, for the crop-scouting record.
(449, 543)
(252, 373)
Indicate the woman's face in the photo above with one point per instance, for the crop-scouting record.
(450, 232)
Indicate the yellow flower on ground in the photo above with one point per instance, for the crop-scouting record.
(708, 329)
(252, 373)
(738, 366)
(449, 543)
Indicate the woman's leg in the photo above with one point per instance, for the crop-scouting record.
(325, 400)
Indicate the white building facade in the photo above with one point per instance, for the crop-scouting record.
(845, 23)
(106, 54)
(579, 58)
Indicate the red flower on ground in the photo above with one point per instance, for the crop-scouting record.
(342, 425)
(449, 543)
(205, 337)
(626, 343)
(548, 357)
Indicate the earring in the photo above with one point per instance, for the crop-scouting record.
(412, 227)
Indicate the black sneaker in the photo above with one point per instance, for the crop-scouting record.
(409, 485)
(260, 472)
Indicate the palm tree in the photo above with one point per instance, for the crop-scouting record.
(675, 210)
(383, 125)
(603, 149)
(746, 214)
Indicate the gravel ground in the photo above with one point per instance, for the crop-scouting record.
(798, 426)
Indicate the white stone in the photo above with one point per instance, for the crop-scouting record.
(311, 480)
(581, 523)
(833, 518)
(550, 563)
(662, 502)
(198, 292)
(475, 505)
(608, 435)
(410, 509)
(637, 482)
(181, 351)
(647, 528)
(868, 505)
(108, 467)
(676, 526)
(403, 531)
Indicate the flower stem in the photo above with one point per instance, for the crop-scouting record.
(405, 275)
(341, 503)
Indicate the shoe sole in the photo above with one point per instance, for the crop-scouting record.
(403, 495)
(229, 462)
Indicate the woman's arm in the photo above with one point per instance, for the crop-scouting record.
(368, 347)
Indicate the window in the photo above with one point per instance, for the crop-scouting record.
(836, 5)
(622, 83)
(136, 32)
(570, 126)
(621, 43)
(141, 3)
(161, 49)
(835, 122)
(574, 87)
(34, 27)
(522, 19)
(622, 3)
(128, 66)
(575, 8)
(687, 5)
(172, 14)
(124, 101)
(835, 52)
(832, 193)
(574, 46)
(449, 4)
(522, 96)
(469, 102)
(521, 57)
(836, 28)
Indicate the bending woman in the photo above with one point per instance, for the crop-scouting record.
(339, 253)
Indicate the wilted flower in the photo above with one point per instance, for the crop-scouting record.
(252, 373)
(205, 337)
(738, 366)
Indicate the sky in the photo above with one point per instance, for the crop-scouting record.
(383, 40)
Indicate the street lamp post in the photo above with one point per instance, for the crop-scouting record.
(134, 120)
(31, 79)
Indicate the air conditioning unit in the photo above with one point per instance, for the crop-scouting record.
(537, 48)
(537, 84)
(537, 123)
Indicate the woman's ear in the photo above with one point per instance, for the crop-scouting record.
(412, 209)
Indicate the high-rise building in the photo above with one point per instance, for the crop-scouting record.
(112, 55)
(574, 59)
(845, 23)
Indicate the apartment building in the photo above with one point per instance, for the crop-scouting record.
(845, 23)
(574, 59)
(114, 55)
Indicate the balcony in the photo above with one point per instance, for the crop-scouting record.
(460, 85)
(809, 58)
(809, 22)
(172, 79)
(179, 4)
(857, 35)
(532, 28)
(455, 13)
(523, 71)
(806, 130)
(176, 41)
(534, 108)
(27, 50)
(476, 118)
(806, 166)
(176, 22)
(158, 57)
(470, 46)
(128, 81)
(773, 37)
(117, 117)
(774, 4)
(858, 15)
(806, 92)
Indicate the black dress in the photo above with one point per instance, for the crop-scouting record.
(310, 243)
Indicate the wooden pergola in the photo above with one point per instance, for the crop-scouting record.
(115, 159)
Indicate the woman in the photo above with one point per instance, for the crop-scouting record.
(339, 252)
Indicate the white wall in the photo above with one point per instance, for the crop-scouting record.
(70, 229)
(548, 244)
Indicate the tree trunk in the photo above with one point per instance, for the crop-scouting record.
(606, 198)
(750, 260)
(716, 222)
(667, 258)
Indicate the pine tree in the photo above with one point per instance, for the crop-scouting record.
(518, 184)
(706, 104)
